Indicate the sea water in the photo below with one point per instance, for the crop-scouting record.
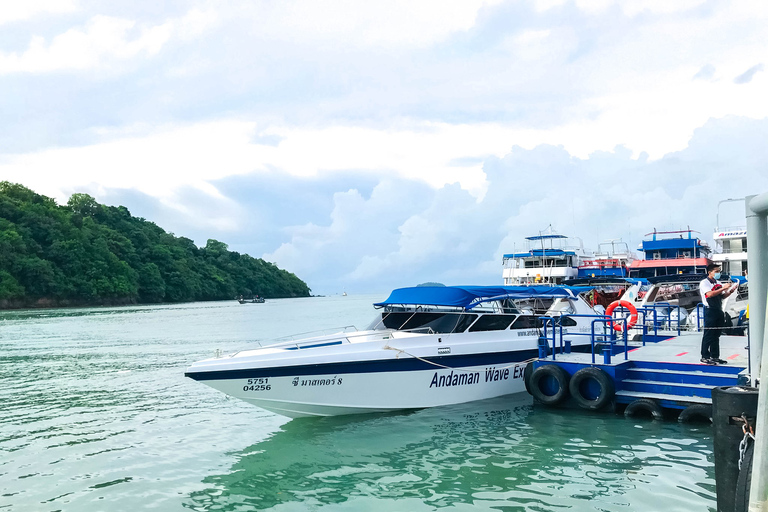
(96, 415)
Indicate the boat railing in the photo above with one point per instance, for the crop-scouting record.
(731, 228)
(651, 310)
(666, 321)
(320, 335)
(344, 336)
(600, 263)
(304, 336)
(317, 341)
(419, 330)
(699, 315)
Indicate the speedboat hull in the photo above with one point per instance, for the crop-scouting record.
(389, 374)
(429, 346)
(359, 393)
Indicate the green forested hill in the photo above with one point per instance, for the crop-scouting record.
(87, 253)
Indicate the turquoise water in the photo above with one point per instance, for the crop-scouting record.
(97, 415)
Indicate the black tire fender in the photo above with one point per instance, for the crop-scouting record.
(600, 379)
(696, 412)
(644, 406)
(549, 371)
(527, 373)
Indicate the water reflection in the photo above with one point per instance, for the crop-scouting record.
(497, 454)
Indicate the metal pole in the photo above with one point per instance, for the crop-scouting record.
(717, 220)
(757, 254)
(757, 261)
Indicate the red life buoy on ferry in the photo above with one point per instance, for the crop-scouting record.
(631, 321)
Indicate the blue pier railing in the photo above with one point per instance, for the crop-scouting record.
(649, 321)
(555, 326)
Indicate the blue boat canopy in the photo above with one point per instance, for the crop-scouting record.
(539, 253)
(470, 296)
(544, 237)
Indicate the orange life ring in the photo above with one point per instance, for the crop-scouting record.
(632, 313)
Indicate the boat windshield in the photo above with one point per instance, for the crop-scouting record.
(683, 294)
(443, 323)
(446, 323)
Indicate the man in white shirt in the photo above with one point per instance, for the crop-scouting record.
(713, 295)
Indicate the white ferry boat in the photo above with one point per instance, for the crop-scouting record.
(731, 250)
(671, 253)
(612, 259)
(428, 346)
(547, 259)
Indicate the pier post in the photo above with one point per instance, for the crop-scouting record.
(607, 354)
(543, 347)
(728, 403)
(757, 259)
(757, 262)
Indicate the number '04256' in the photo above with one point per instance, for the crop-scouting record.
(260, 384)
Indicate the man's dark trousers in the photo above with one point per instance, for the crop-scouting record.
(714, 321)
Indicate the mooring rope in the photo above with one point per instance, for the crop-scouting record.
(401, 351)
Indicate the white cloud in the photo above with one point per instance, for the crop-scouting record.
(103, 42)
(399, 237)
(197, 22)
(103, 39)
(159, 161)
(13, 11)
(635, 7)
(395, 23)
(629, 7)
(156, 164)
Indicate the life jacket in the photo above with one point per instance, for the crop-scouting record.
(716, 302)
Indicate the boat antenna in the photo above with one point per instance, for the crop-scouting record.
(543, 250)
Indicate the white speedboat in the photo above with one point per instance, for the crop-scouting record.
(428, 346)
(548, 258)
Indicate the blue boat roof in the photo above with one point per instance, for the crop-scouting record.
(470, 296)
(539, 253)
(673, 243)
(544, 237)
(590, 282)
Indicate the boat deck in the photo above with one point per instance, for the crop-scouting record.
(668, 373)
(680, 349)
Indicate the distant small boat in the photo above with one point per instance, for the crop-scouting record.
(255, 300)
(344, 294)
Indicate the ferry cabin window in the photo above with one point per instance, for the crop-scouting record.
(532, 322)
(491, 323)
(565, 321)
(525, 322)
(546, 262)
(429, 321)
(464, 322)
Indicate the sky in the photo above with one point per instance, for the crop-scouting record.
(366, 146)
